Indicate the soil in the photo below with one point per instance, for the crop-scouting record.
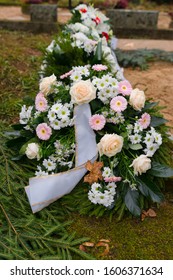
(157, 83)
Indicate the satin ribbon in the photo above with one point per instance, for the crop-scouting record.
(44, 190)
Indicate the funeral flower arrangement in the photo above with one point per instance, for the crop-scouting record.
(80, 41)
(132, 144)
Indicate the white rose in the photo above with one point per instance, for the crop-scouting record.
(46, 84)
(32, 151)
(137, 99)
(141, 164)
(83, 92)
(110, 145)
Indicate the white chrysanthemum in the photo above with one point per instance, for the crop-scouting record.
(149, 139)
(151, 149)
(102, 84)
(49, 164)
(114, 82)
(83, 70)
(129, 128)
(55, 124)
(158, 138)
(102, 96)
(65, 122)
(63, 113)
(105, 199)
(111, 188)
(95, 187)
(91, 197)
(76, 76)
(51, 115)
(95, 81)
(135, 139)
(40, 172)
(137, 127)
(56, 107)
(106, 172)
(113, 92)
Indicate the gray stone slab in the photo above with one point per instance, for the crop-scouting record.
(133, 19)
(43, 13)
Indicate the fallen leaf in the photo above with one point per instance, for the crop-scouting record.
(88, 244)
(103, 244)
(151, 213)
(95, 172)
(143, 215)
(104, 240)
(82, 248)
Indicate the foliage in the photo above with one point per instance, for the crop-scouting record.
(140, 58)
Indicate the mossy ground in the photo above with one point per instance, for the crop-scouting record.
(20, 59)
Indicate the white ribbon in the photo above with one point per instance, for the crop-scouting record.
(46, 189)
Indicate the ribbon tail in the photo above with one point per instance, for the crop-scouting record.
(44, 190)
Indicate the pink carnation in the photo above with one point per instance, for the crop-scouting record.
(43, 131)
(99, 67)
(118, 104)
(41, 102)
(66, 75)
(112, 179)
(145, 120)
(124, 87)
(97, 122)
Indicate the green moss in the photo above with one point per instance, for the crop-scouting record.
(130, 238)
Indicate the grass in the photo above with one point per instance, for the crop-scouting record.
(57, 231)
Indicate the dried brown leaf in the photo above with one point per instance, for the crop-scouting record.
(151, 213)
(103, 244)
(88, 244)
(105, 240)
(95, 172)
(82, 248)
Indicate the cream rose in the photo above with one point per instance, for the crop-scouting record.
(141, 164)
(46, 84)
(83, 92)
(32, 151)
(110, 145)
(137, 99)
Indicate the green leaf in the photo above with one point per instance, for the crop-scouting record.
(149, 189)
(131, 201)
(149, 105)
(17, 126)
(156, 121)
(23, 148)
(135, 146)
(17, 142)
(98, 54)
(160, 170)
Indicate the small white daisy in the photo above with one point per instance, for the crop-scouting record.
(49, 164)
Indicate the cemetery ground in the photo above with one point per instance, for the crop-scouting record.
(49, 234)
